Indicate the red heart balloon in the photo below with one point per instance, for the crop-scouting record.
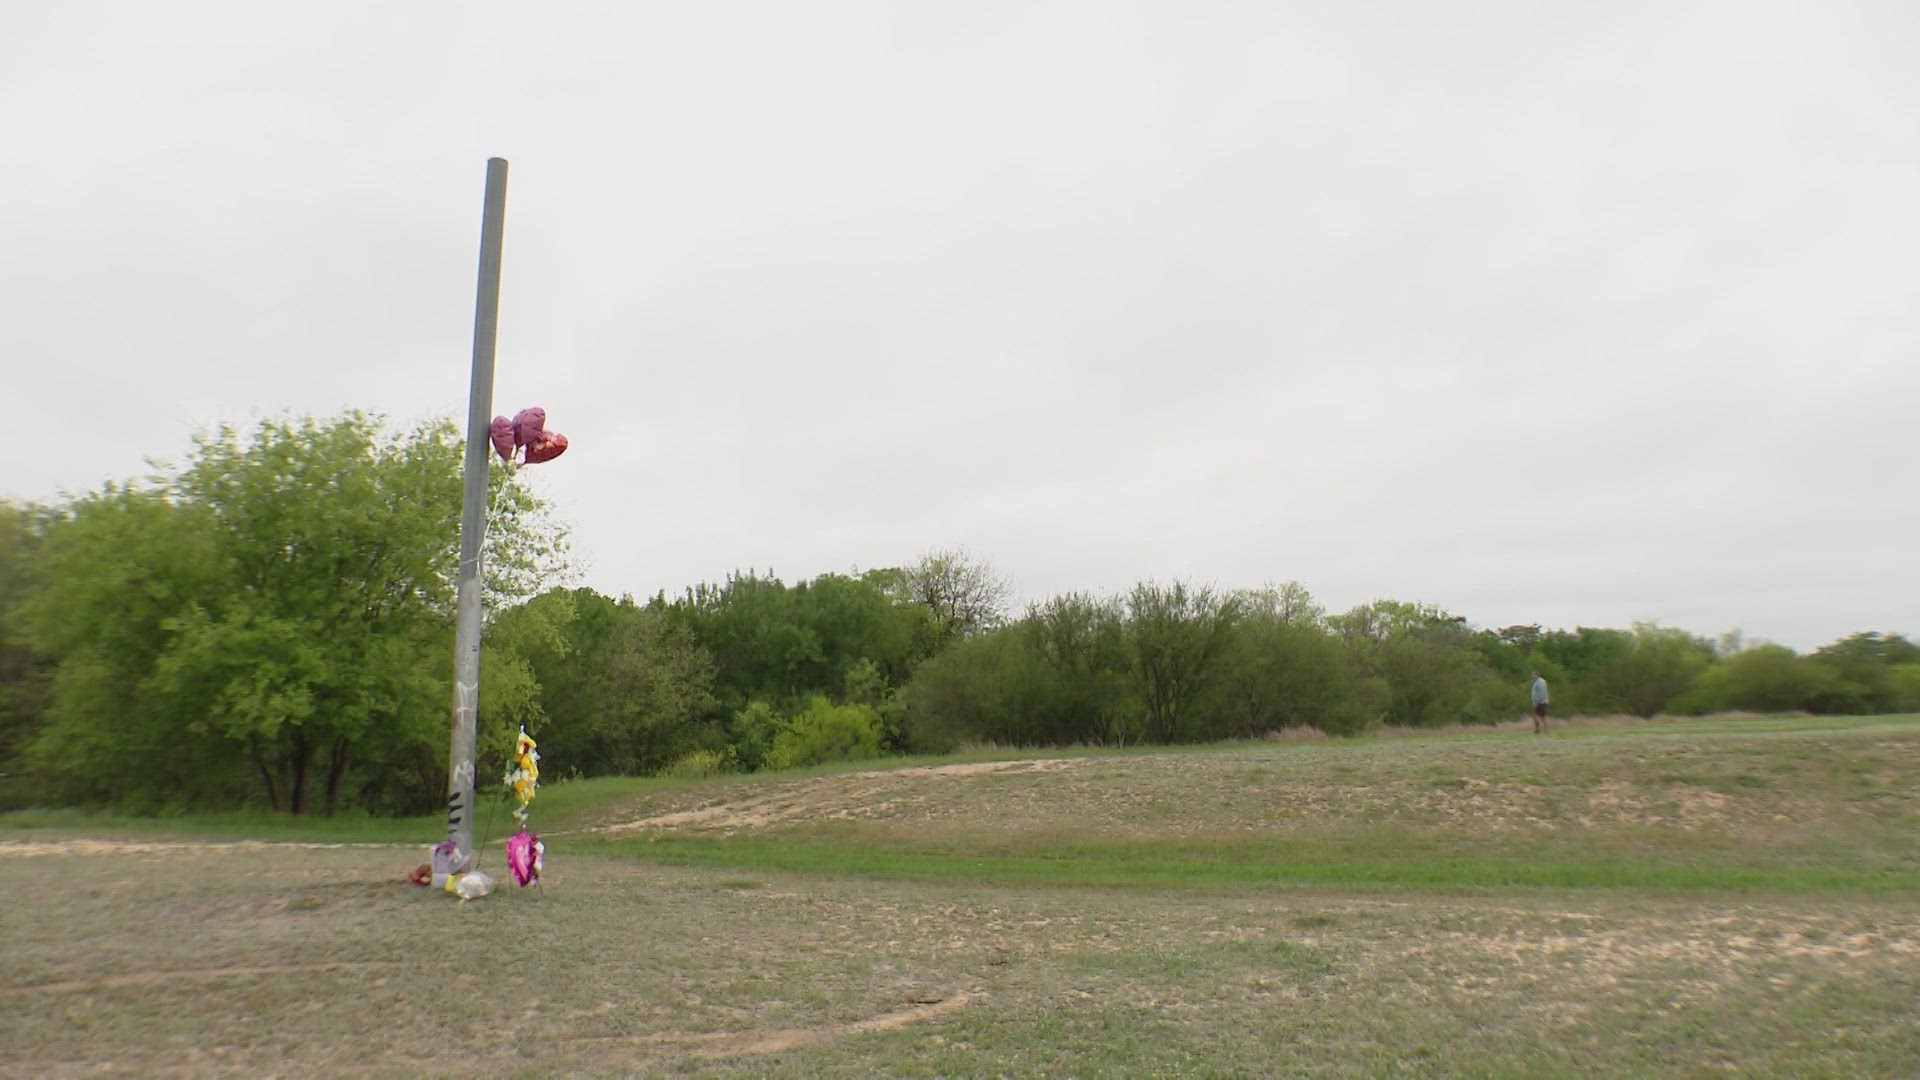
(551, 445)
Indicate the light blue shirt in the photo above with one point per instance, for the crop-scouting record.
(1539, 691)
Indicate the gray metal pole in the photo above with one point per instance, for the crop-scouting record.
(473, 517)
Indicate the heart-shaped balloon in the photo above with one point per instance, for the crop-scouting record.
(528, 424)
(501, 432)
(550, 445)
(523, 857)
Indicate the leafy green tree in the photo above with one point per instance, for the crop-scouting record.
(120, 566)
(1058, 676)
(24, 676)
(976, 692)
(783, 644)
(623, 689)
(663, 694)
(1176, 637)
(854, 622)
(1282, 669)
(1512, 653)
(749, 627)
(1083, 687)
(961, 594)
(250, 624)
(1867, 661)
(1771, 678)
(1428, 661)
(1648, 678)
(1903, 688)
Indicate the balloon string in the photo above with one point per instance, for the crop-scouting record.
(494, 505)
(497, 502)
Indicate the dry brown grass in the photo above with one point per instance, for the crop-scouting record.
(290, 961)
(164, 957)
(1762, 792)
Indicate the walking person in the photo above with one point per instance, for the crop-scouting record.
(1539, 704)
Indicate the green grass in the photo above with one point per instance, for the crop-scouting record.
(561, 805)
(216, 825)
(1252, 864)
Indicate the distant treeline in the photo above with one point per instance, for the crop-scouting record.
(752, 672)
(270, 624)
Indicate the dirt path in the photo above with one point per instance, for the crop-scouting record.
(48, 848)
(167, 978)
(726, 1044)
(840, 796)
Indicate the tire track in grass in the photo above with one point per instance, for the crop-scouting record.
(715, 1045)
(160, 978)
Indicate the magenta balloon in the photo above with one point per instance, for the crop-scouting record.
(501, 432)
(528, 424)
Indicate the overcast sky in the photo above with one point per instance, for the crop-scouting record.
(1561, 312)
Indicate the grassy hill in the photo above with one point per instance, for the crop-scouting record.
(1779, 804)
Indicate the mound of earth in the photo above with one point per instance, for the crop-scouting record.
(914, 791)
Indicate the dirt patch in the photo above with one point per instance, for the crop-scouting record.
(169, 978)
(747, 1044)
(981, 768)
(49, 848)
(1721, 948)
(844, 796)
(1514, 807)
(1680, 806)
(773, 1042)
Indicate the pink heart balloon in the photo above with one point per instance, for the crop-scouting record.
(528, 424)
(501, 432)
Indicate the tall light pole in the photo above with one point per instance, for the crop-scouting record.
(473, 517)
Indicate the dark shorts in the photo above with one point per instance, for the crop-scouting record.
(1540, 710)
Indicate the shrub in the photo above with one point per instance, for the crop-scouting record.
(750, 735)
(695, 765)
(1354, 712)
(1903, 683)
(824, 732)
(1770, 678)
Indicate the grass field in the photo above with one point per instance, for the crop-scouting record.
(1663, 899)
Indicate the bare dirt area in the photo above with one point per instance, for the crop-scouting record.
(1557, 789)
(872, 794)
(28, 849)
(1779, 936)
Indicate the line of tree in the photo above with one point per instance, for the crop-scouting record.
(1173, 663)
(269, 624)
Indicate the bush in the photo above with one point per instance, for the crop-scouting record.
(1903, 686)
(1277, 675)
(1770, 678)
(750, 736)
(1031, 684)
(1356, 711)
(824, 732)
(695, 765)
(1651, 678)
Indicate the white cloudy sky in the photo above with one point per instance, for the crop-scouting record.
(1558, 312)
